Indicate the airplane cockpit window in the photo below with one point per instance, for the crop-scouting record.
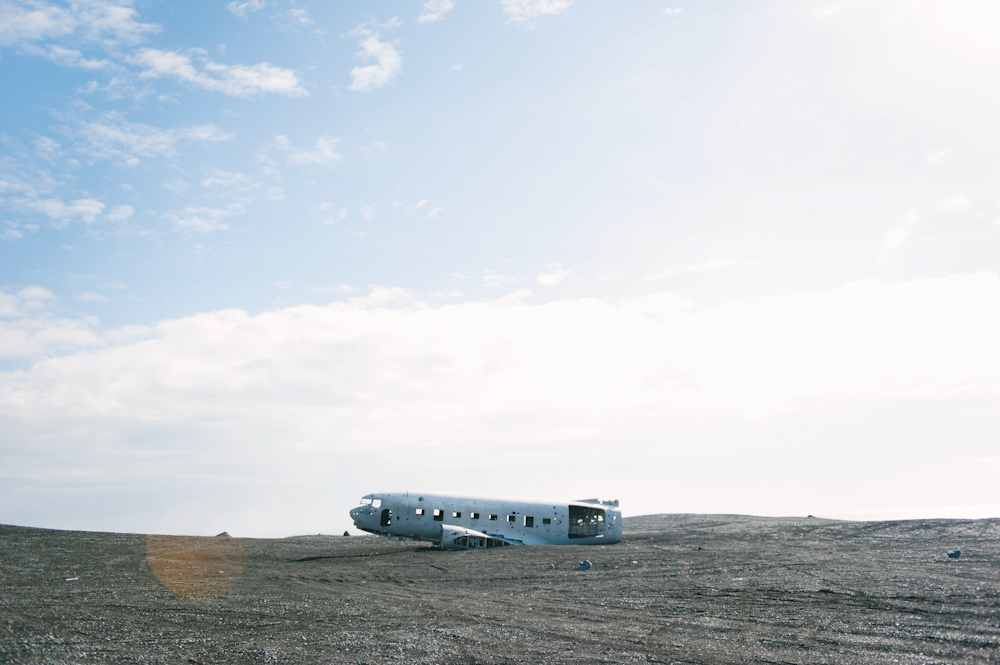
(369, 501)
(377, 503)
(366, 501)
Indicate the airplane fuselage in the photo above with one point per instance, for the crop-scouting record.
(455, 522)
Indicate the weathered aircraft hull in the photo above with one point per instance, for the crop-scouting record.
(456, 522)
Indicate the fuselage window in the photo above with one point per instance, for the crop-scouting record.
(529, 521)
(493, 517)
(585, 522)
(475, 516)
(420, 511)
(546, 520)
(438, 515)
(511, 518)
(456, 514)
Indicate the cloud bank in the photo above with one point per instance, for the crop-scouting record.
(465, 386)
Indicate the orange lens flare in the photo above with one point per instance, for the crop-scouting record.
(196, 567)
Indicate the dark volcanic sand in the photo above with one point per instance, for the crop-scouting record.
(679, 588)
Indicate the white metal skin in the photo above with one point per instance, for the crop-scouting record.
(465, 522)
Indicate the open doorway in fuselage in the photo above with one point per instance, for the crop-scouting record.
(386, 517)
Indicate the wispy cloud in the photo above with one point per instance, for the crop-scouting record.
(388, 62)
(705, 266)
(434, 10)
(24, 21)
(936, 156)
(895, 237)
(232, 80)
(324, 152)
(202, 219)
(29, 327)
(68, 57)
(239, 186)
(554, 274)
(84, 210)
(955, 203)
(520, 10)
(119, 213)
(242, 9)
(111, 136)
(298, 15)
(492, 278)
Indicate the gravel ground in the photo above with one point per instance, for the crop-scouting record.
(678, 589)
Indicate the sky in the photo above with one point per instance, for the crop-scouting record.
(258, 259)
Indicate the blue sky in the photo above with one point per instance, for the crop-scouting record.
(250, 247)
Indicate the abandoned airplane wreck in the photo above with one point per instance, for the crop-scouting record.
(457, 522)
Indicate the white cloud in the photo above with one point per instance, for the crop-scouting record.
(895, 237)
(47, 148)
(705, 266)
(434, 212)
(372, 150)
(119, 213)
(520, 10)
(298, 15)
(242, 9)
(227, 180)
(434, 10)
(491, 278)
(24, 21)
(177, 186)
(68, 57)
(11, 232)
(388, 63)
(673, 11)
(345, 289)
(955, 203)
(323, 153)
(303, 394)
(232, 184)
(34, 295)
(554, 274)
(232, 80)
(368, 211)
(203, 219)
(85, 210)
(30, 329)
(340, 215)
(936, 156)
(421, 203)
(112, 137)
(90, 296)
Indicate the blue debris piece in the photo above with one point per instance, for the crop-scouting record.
(584, 565)
(954, 554)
